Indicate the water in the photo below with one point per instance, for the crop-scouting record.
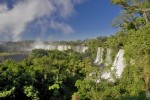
(84, 49)
(80, 49)
(108, 59)
(15, 57)
(53, 47)
(60, 48)
(119, 63)
(99, 57)
(106, 75)
(77, 49)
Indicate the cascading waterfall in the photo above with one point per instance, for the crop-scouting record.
(108, 59)
(41, 45)
(77, 48)
(38, 45)
(65, 47)
(60, 48)
(69, 47)
(119, 63)
(81, 49)
(53, 47)
(99, 56)
(118, 66)
(84, 49)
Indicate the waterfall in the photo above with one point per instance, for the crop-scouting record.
(77, 49)
(60, 48)
(41, 45)
(106, 75)
(119, 63)
(65, 47)
(84, 49)
(99, 56)
(53, 47)
(47, 47)
(80, 49)
(108, 59)
(69, 47)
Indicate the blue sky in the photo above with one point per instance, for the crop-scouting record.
(94, 18)
(62, 20)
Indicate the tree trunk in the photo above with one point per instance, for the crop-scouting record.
(75, 97)
(147, 83)
(145, 17)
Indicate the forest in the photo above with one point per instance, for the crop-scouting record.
(65, 75)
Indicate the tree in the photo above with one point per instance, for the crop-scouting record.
(134, 22)
(137, 6)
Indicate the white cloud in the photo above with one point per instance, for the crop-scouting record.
(78, 1)
(14, 22)
(66, 7)
(62, 27)
(3, 8)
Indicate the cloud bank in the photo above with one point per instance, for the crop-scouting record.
(15, 21)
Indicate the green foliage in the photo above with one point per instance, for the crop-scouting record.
(38, 53)
(134, 37)
(44, 75)
(138, 47)
(31, 92)
(54, 86)
(6, 93)
(55, 75)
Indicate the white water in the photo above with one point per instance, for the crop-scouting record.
(63, 47)
(84, 49)
(108, 59)
(106, 75)
(39, 45)
(53, 47)
(69, 47)
(118, 65)
(77, 49)
(80, 49)
(99, 56)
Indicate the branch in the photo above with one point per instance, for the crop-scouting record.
(134, 8)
